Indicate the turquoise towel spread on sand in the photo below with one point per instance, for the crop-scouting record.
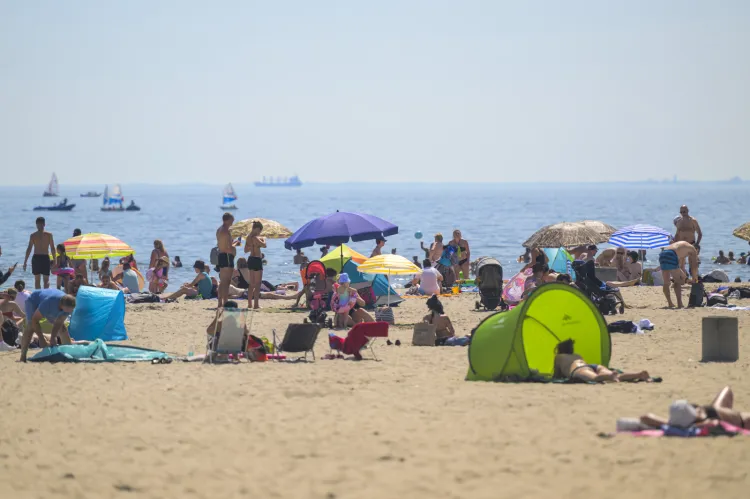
(97, 351)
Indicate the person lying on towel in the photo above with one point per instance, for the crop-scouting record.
(684, 414)
(569, 364)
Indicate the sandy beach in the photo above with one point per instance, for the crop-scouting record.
(407, 425)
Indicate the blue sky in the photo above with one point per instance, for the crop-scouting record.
(187, 91)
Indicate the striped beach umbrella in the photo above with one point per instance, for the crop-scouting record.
(95, 245)
(641, 237)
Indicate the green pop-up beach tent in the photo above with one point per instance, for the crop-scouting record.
(522, 342)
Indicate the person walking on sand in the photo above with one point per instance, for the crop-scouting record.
(672, 263)
(687, 228)
(227, 251)
(42, 244)
(253, 245)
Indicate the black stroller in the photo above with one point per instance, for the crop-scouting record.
(606, 298)
(489, 282)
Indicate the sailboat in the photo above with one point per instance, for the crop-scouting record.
(228, 196)
(112, 200)
(53, 190)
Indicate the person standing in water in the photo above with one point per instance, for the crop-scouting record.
(42, 244)
(227, 251)
(672, 263)
(687, 228)
(463, 253)
(253, 245)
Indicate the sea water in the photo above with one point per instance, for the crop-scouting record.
(494, 218)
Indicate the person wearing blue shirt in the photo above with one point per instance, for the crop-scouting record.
(52, 305)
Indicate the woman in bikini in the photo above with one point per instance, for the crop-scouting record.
(443, 325)
(157, 254)
(464, 254)
(684, 414)
(569, 364)
(10, 309)
(253, 245)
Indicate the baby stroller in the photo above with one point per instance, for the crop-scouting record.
(315, 284)
(489, 282)
(604, 297)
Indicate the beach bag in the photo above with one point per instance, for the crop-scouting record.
(716, 299)
(214, 258)
(10, 332)
(424, 335)
(384, 314)
(697, 293)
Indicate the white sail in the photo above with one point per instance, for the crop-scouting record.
(228, 194)
(53, 189)
(105, 197)
(115, 195)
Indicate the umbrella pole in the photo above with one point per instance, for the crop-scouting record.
(341, 252)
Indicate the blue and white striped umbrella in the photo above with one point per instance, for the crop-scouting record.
(640, 237)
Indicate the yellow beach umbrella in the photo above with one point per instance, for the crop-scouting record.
(271, 228)
(337, 257)
(389, 265)
(95, 245)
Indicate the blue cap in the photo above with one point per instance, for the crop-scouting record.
(344, 278)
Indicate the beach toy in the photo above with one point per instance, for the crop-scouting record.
(64, 271)
(418, 234)
(521, 343)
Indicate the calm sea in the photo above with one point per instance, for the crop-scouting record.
(494, 218)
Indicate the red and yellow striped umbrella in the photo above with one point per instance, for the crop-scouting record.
(94, 245)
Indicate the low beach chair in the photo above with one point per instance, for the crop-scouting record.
(362, 336)
(299, 338)
(232, 339)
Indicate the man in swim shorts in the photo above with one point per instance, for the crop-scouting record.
(50, 304)
(672, 262)
(43, 244)
(687, 227)
(227, 251)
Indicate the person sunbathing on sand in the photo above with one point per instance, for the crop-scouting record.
(684, 414)
(443, 325)
(200, 286)
(569, 364)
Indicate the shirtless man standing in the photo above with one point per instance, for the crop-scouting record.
(687, 227)
(43, 245)
(672, 262)
(227, 252)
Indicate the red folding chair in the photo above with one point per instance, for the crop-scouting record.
(363, 335)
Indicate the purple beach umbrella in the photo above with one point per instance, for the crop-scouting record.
(339, 228)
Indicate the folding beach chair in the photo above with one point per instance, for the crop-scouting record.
(299, 338)
(232, 339)
(363, 335)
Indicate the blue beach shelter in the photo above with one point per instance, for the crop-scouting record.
(99, 314)
(379, 284)
(560, 261)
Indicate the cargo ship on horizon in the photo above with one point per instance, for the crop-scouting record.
(292, 181)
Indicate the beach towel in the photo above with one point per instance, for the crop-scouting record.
(98, 351)
(721, 429)
(513, 291)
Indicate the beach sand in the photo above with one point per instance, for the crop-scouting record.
(406, 426)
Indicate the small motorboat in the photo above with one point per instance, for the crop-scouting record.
(91, 194)
(61, 206)
(133, 207)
